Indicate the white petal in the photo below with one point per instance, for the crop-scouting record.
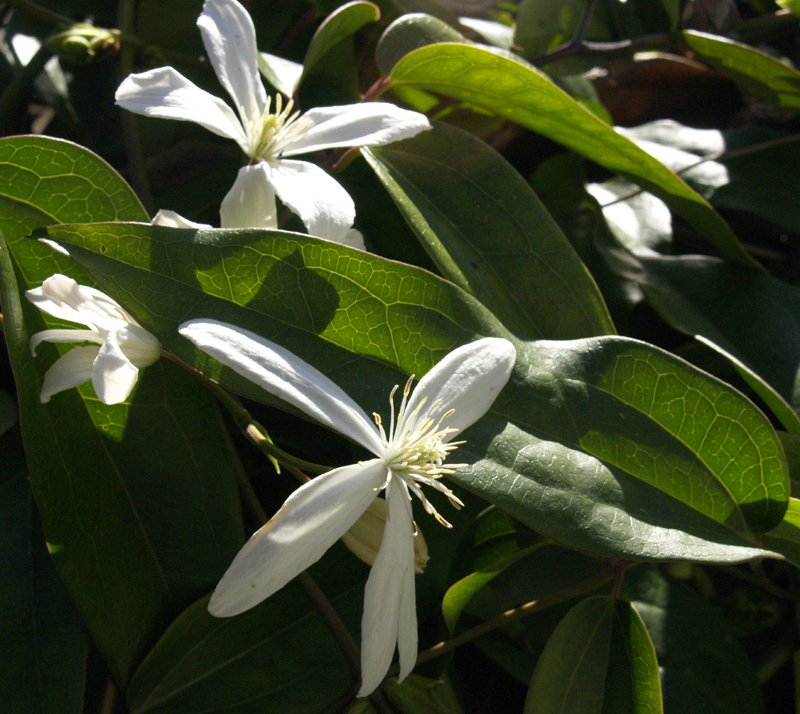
(281, 73)
(166, 94)
(70, 370)
(113, 376)
(230, 40)
(354, 239)
(389, 591)
(251, 201)
(365, 124)
(285, 375)
(63, 298)
(323, 205)
(310, 521)
(66, 335)
(467, 380)
(170, 219)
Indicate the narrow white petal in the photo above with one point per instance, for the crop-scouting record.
(366, 124)
(310, 521)
(70, 370)
(354, 239)
(63, 298)
(230, 40)
(170, 219)
(251, 201)
(467, 380)
(114, 375)
(389, 590)
(281, 73)
(323, 205)
(66, 335)
(166, 94)
(285, 375)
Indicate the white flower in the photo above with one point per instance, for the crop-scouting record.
(121, 346)
(267, 134)
(352, 238)
(453, 395)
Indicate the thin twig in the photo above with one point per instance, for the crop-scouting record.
(130, 131)
(109, 702)
(513, 615)
(40, 12)
(254, 432)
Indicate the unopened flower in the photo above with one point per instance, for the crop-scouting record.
(365, 536)
(454, 394)
(267, 131)
(121, 346)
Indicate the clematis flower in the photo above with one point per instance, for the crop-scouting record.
(122, 347)
(454, 394)
(267, 132)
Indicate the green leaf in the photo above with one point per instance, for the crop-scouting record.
(766, 77)
(605, 444)
(43, 660)
(785, 537)
(139, 499)
(279, 656)
(343, 22)
(408, 33)
(447, 183)
(706, 296)
(599, 660)
(519, 92)
(703, 666)
(460, 593)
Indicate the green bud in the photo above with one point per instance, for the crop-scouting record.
(81, 44)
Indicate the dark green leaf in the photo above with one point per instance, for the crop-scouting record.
(43, 656)
(705, 296)
(408, 33)
(766, 77)
(605, 444)
(487, 232)
(703, 667)
(277, 657)
(138, 499)
(600, 660)
(519, 92)
(342, 23)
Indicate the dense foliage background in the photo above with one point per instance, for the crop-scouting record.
(611, 185)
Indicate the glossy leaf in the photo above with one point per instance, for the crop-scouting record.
(139, 497)
(575, 446)
(345, 21)
(703, 667)
(408, 33)
(705, 296)
(519, 92)
(765, 76)
(480, 221)
(43, 658)
(279, 656)
(599, 660)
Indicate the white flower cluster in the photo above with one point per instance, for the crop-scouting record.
(409, 454)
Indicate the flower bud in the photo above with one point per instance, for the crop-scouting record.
(80, 43)
(364, 538)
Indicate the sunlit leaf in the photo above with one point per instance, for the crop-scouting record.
(519, 92)
(604, 444)
(480, 221)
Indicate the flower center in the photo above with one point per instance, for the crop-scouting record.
(269, 135)
(417, 447)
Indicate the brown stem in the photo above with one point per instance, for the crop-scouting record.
(513, 615)
(40, 12)
(130, 131)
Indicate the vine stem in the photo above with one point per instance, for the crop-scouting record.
(512, 615)
(254, 432)
(130, 131)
